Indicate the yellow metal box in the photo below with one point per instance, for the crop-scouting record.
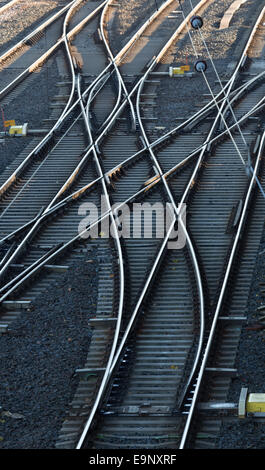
(256, 403)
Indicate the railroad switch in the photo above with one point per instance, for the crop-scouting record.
(145, 409)
(183, 70)
(250, 405)
(20, 131)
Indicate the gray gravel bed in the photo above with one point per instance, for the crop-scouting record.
(182, 96)
(128, 17)
(40, 355)
(18, 21)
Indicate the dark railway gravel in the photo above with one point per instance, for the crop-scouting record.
(50, 342)
(30, 105)
(40, 355)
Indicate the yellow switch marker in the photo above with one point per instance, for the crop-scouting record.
(255, 403)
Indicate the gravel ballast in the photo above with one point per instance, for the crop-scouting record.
(182, 96)
(30, 105)
(39, 357)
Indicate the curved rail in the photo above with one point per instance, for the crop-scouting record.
(76, 171)
(102, 176)
(5, 186)
(220, 300)
(198, 165)
(55, 205)
(121, 269)
(114, 62)
(177, 214)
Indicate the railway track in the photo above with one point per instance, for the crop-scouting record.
(7, 183)
(19, 55)
(114, 428)
(136, 410)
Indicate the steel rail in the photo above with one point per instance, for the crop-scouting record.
(220, 300)
(12, 178)
(257, 108)
(118, 100)
(197, 271)
(230, 84)
(89, 185)
(207, 109)
(205, 147)
(85, 232)
(75, 195)
(191, 182)
(50, 134)
(178, 213)
(33, 229)
(114, 359)
(239, 65)
(108, 174)
(122, 164)
(239, 93)
(114, 62)
(195, 262)
(70, 58)
(121, 269)
(44, 57)
(71, 34)
(142, 296)
(19, 279)
(158, 141)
